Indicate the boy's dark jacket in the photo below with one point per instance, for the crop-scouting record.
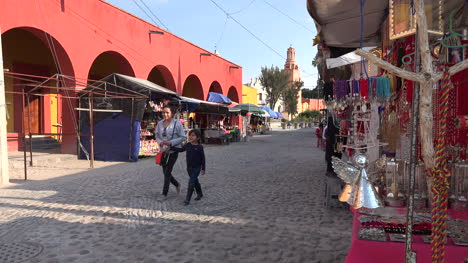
(195, 155)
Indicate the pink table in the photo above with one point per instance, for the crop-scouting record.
(363, 251)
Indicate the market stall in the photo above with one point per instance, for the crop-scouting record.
(125, 130)
(211, 118)
(253, 117)
(273, 115)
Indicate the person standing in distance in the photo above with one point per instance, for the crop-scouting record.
(169, 133)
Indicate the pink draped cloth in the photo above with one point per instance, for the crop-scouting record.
(364, 251)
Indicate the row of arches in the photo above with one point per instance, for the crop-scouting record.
(110, 62)
(32, 51)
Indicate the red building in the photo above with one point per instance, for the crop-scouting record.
(89, 39)
(312, 104)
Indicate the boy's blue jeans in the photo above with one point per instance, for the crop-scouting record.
(194, 184)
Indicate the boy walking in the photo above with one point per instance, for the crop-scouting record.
(195, 164)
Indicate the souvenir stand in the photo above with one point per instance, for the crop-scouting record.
(128, 132)
(152, 115)
(251, 115)
(231, 121)
(208, 117)
(232, 124)
(272, 114)
(375, 118)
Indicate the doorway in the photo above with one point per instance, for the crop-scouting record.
(32, 115)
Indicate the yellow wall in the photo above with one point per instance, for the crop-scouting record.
(9, 97)
(24, 48)
(249, 95)
(54, 121)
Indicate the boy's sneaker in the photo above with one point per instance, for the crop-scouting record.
(198, 197)
(186, 202)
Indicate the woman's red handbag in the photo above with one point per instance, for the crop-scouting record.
(159, 157)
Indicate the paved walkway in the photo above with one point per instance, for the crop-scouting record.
(263, 203)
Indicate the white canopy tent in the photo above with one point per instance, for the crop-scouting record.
(346, 59)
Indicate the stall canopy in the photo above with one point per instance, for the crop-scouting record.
(247, 107)
(117, 134)
(270, 111)
(200, 106)
(262, 114)
(349, 58)
(279, 115)
(218, 98)
(339, 22)
(233, 110)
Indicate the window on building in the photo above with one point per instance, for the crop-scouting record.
(279, 108)
(260, 96)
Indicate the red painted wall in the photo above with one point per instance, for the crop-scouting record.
(84, 29)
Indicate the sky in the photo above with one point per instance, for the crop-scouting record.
(204, 24)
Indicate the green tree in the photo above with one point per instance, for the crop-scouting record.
(290, 97)
(307, 93)
(310, 114)
(316, 93)
(275, 83)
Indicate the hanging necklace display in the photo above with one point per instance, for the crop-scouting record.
(391, 128)
(394, 188)
(420, 196)
(459, 187)
(362, 136)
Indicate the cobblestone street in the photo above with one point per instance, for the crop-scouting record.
(263, 203)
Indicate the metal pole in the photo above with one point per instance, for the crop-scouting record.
(25, 162)
(30, 150)
(91, 128)
(29, 131)
(23, 133)
(4, 176)
(78, 137)
(410, 255)
(131, 131)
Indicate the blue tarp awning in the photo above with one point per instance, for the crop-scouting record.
(270, 111)
(279, 115)
(218, 98)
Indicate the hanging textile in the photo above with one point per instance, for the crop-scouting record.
(373, 152)
(364, 88)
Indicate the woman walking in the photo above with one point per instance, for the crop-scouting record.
(169, 133)
(195, 164)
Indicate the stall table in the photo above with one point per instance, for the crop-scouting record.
(363, 251)
(235, 135)
(216, 136)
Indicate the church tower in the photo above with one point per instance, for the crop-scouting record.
(292, 68)
(291, 65)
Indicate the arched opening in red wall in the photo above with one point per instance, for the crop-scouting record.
(232, 94)
(193, 88)
(163, 77)
(107, 63)
(215, 87)
(34, 52)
